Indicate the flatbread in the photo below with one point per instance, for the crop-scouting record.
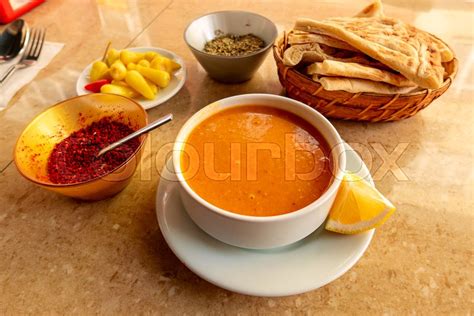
(360, 85)
(314, 52)
(306, 52)
(402, 47)
(354, 70)
(374, 9)
(300, 37)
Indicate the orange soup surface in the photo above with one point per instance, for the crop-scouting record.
(257, 161)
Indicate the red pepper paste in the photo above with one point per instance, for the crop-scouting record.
(75, 159)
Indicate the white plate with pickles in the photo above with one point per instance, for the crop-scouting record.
(148, 75)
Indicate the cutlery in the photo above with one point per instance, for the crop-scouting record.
(13, 39)
(161, 121)
(30, 54)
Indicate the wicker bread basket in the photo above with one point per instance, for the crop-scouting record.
(369, 107)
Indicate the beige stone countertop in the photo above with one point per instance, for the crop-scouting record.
(62, 256)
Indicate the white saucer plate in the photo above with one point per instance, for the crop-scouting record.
(306, 265)
(176, 83)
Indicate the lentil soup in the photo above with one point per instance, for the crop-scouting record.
(257, 161)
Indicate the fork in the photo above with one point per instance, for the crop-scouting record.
(30, 55)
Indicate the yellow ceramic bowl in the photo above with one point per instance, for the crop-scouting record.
(35, 144)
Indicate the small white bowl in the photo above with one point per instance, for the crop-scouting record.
(252, 231)
(176, 83)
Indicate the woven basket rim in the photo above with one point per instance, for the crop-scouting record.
(282, 41)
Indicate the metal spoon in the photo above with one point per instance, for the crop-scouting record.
(163, 120)
(13, 39)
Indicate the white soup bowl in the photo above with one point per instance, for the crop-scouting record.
(258, 232)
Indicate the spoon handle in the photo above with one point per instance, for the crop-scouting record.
(149, 127)
(8, 74)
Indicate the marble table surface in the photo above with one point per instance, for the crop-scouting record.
(62, 256)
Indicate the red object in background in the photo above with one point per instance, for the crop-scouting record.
(12, 9)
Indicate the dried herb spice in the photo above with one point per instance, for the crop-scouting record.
(234, 45)
(74, 158)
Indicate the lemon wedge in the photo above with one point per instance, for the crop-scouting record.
(358, 207)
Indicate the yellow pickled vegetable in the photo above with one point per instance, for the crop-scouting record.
(164, 63)
(135, 80)
(144, 63)
(112, 56)
(131, 66)
(98, 71)
(153, 86)
(150, 55)
(120, 83)
(119, 89)
(161, 63)
(118, 70)
(174, 65)
(127, 56)
(159, 77)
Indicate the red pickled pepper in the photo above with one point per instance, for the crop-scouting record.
(96, 85)
(75, 159)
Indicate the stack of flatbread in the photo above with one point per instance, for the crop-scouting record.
(367, 53)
